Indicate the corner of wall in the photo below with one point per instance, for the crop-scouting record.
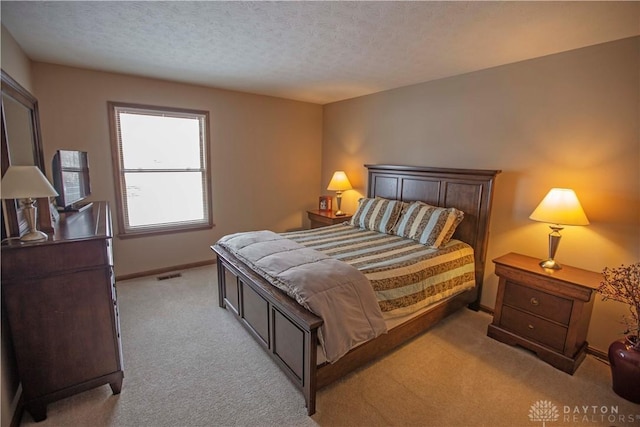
(14, 61)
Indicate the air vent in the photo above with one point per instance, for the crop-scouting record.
(169, 276)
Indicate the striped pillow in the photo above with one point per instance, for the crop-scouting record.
(377, 214)
(430, 225)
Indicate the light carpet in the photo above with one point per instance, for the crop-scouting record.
(188, 362)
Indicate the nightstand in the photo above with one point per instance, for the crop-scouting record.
(323, 218)
(545, 311)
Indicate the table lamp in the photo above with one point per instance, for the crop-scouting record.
(27, 183)
(559, 207)
(339, 183)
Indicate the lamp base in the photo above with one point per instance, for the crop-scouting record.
(339, 200)
(33, 236)
(554, 241)
(30, 213)
(551, 264)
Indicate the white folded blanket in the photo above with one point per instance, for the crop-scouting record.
(333, 290)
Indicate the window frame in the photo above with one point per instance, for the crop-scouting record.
(125, 230)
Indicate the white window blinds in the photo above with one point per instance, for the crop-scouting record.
(161, 168)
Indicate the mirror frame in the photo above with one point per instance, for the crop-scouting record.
(13, 220)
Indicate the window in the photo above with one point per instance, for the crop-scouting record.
(161, 168)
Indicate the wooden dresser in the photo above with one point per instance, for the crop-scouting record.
(320, 218)
(545, 311)
(60, 301)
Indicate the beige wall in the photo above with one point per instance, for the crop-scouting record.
(265, 154)
(15, 62)
(566, 120)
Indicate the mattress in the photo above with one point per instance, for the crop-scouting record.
(405, 275)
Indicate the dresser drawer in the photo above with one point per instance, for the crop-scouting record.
(46, 260)
(535, 328)
(549, 306)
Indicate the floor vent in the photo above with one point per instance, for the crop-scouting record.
(169, 276)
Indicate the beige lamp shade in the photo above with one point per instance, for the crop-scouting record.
(560, 206)
(23, 182)
(27, 183)
(339, 182)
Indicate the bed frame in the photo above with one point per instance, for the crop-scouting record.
(289, 333)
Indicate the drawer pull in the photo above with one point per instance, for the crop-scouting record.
(531, 326)
(534, 301)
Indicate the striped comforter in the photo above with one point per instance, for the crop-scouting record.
(405, 275)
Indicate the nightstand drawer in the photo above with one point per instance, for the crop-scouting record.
(324, 218)
(549, 306)
(530, 326)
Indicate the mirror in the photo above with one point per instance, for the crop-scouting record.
(21, 145)
(19, 131)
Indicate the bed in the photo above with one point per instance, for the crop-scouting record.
(291, 334)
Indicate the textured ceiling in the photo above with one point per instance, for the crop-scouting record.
(311, 51)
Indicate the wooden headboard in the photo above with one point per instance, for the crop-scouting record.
(469, 190)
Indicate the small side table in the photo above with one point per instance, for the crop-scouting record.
(545, 311)
(324, 218)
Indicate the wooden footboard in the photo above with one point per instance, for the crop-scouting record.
(289, 333)
(286, 331)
